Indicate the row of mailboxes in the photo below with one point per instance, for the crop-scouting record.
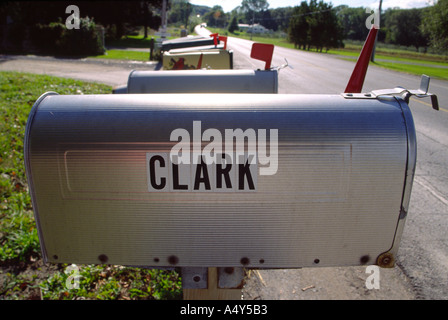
(223, 80)
(165, 178)
(197, 53)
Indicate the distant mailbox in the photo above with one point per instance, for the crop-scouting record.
(197, 59)
(187, 42)
(190, 180)
(203, 81)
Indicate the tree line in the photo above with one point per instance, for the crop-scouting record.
(418, 28)
(311, 24)
(117, 17)
(317, 24)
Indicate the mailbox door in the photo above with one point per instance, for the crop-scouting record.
(203, 81)
(212, 59)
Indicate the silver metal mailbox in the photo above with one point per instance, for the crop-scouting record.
(296, 180)
(203, 81)
(188, 42)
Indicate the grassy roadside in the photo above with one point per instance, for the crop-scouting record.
(117, 54)
(135, 42)
(436, 66)
(22, 272)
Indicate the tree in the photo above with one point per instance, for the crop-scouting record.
(233, 26)
(352, 21)
(253, 6)
(435, 25)
(402, 27)
(267, 20)
(216, 17)
(180, 12)
(315, 25)
(298, 31)
(148, 20)
(328, 32)
(280, 18)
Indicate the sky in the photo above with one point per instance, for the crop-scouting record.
(229, 5)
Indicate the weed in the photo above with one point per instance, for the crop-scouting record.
(22, 272)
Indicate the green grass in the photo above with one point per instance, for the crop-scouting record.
(433, 72)
(386, 50)
(97, 282)
(427, 64)
(124, 55)
(275, 40)
(137, 41)
(22, 274)
(132, 41)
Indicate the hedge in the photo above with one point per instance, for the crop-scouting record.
(56, 39)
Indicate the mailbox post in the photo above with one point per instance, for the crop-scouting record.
(151, 49)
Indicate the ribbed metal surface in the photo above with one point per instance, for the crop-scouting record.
(335, 198)
(203, 81)
(186, 42)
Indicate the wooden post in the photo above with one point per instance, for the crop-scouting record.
(212, 292)
(151, 48)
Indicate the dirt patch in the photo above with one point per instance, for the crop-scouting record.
(21, 279)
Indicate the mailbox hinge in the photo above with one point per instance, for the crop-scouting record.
(421, 92)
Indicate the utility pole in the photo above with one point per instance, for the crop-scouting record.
(163, 17)
(372, 58)
(253, 22)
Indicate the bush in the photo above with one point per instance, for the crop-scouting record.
(83, 41)
(233, 25)
(55, 38)
(15, 35)
(45, 37)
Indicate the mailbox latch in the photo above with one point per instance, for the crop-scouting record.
(421, 92)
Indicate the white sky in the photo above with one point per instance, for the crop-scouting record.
(229, 5)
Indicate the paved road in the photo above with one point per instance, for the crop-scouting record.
(422, 270)
(422, 266)
(110, 72)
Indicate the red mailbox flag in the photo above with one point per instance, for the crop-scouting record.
(263, 52)
(215, 38)
(359, 73)
(224, 39)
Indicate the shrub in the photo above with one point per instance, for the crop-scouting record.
(15, 35)
(55, 38)
(45, 37)
(83, 41)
